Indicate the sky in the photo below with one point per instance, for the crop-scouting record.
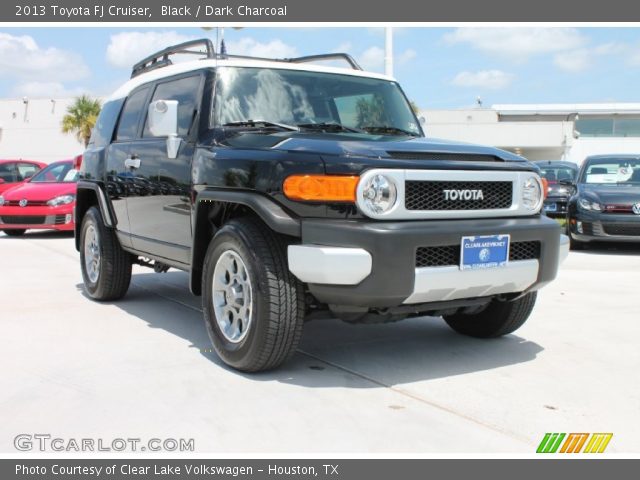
(439, 68)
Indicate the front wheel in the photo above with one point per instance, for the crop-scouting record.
(253, 305)
(106, 267)
(14, 232)
(499, 318)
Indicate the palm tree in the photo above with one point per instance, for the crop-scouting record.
(81, 117)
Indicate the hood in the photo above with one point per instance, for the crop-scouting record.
(39, 191)
(620, 194)
(352, 151)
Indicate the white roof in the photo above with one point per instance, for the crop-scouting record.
(567, 108)
(183, 67)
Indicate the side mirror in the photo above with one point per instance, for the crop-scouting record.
(163, 122)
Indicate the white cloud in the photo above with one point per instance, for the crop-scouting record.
(573, 61)
(518, 43)
(372, 59)
(491, 79)
(273, 49)
(127, 48)
(21, 57)
(407, 56)
(45, 89)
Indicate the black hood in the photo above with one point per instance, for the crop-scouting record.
(350, 152)
(610, 194)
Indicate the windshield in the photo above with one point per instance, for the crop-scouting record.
(558, 174)
(312, 100)
(61, 172)
(612, 171)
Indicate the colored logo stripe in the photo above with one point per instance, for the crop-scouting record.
(574, 443)
(598, 442)
(550, 443)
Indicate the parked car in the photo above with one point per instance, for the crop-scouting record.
(560, 177)
(43, 202)
(13, 172)
(606, 205)
(300, 190)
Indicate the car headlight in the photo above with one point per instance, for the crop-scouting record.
(589, 205)
(532, 194)
(61, 200)
(379, 194)
(1, 200)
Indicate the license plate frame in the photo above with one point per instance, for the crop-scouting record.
(479, 252)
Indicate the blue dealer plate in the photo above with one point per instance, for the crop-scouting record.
(551, 207)
(488, 251)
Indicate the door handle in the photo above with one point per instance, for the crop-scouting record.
(132, 162)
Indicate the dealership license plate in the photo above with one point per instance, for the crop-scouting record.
(487, 251)
(551, 207)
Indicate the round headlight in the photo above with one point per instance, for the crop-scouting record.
(532, 194)
(379, 194)
(587, 204)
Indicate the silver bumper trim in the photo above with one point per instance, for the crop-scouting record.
(436, 284)
(329, 265)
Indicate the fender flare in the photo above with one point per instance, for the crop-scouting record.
(108, 216)
(272, 214)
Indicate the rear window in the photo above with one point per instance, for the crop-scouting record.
(103, 130)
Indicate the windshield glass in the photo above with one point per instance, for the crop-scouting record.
(612, 171)
(61, 172)
(305, 99)
(558, 174)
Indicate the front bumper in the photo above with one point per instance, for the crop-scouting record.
(604, 227)
(38, 217)
(375, 262)
(556, 207)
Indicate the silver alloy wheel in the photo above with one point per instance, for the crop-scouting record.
(232, 296)
(92, 253)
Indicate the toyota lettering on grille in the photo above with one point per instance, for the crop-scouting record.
(464, 195)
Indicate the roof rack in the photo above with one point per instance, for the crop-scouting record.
(326, 56)
(161, 59)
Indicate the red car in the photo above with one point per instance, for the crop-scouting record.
(43, 202)
(13, 172)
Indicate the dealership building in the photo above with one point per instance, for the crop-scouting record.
(30, 129)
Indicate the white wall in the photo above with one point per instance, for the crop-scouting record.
(33, 130)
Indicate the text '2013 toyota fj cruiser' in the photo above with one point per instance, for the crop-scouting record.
(290, 190)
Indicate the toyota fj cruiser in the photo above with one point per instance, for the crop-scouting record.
(290, 191)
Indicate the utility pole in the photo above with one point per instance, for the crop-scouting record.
(388, 51)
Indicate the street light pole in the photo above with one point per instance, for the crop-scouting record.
(388, 51)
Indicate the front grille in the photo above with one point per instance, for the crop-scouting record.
(456, 157)
(59, 220)
(430, 195)
(23, 220)
(30, 203)
(524, 251)
(449, 255)
(622, 229)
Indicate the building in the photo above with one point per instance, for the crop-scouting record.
(30, 128)
(544, 132)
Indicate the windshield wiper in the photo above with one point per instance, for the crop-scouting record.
(388, 130)
(328, 127)
(264, 123)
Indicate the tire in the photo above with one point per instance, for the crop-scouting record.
(498, 319)
(111, 275)
(14, 232)
(255, 316)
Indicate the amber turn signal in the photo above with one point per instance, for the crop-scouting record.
(321, 188)
(545, 188)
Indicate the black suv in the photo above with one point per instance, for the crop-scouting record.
(291, 191)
